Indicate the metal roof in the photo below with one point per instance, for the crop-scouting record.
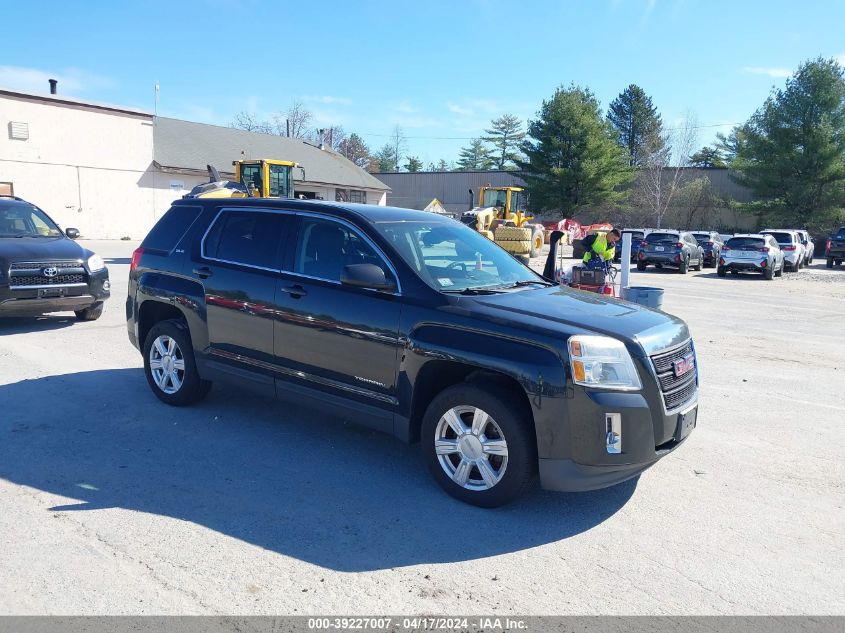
(191, 146)
(72, 101)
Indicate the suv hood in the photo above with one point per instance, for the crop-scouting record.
(651, 329)
(34, 249)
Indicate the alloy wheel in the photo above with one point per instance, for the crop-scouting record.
(167, 364)
(471, 448)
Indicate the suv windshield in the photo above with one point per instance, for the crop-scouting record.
(451, 257)
(780, 238)
(745, 242)
(702, 237)
(25, 220)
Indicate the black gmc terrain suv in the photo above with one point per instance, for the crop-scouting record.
(416, 325)
(43, 270)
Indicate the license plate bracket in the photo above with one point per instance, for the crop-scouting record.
(686, 423)
(49, 293)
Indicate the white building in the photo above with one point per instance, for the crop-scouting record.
(112, 171)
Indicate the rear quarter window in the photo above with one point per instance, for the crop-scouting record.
(171, 228)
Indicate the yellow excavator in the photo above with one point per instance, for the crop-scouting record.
(501, 217)
(258, 178)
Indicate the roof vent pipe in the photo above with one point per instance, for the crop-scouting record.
(53, 84)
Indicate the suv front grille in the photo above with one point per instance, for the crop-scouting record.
(39, 280)
(676, 390)
(32, 273)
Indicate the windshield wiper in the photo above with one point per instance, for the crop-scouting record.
(478, 290)
(530, 282)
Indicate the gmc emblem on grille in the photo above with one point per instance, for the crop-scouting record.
(683, 365)
(50, 271)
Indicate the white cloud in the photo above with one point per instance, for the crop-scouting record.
(71, 80)
(771, 72)
(841, 59)
(327, 99)
(457, 109)
(404, 106)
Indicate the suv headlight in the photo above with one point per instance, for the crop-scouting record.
(95, 262)
(601, 361)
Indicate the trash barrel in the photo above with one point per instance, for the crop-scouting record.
(644, 295)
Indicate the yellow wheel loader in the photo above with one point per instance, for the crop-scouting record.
(259, 178)
(501, 217)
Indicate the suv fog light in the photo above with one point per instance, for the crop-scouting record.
(106, 285)
(613, 432)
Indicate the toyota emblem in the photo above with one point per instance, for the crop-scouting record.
(50, 271)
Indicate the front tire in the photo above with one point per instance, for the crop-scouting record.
(170, 367)
(91, 313)
(479, 444)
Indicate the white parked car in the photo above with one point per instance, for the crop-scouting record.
(751, 253)
(809, 246)
(790, 243)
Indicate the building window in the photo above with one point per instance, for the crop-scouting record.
(358, 196)
(341, 195)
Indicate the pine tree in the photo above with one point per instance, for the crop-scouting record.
(505, 134)
(637, 124)
(707, 157)
(572, 159)
(792, 153)
(475, 157)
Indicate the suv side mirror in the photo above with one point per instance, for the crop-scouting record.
(365, 276)
(72, 233)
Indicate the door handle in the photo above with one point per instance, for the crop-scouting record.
(203, 273)
(295, 291)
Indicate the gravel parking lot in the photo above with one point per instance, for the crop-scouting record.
(112, 503)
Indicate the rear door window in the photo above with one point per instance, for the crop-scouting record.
(250, 238)
(171, 228)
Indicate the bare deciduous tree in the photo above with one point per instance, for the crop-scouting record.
(298, 119)
(398, 144)
(663, 170)
(248, 121)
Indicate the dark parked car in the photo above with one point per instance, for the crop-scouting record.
(415, 325)
(678, 249)
(835, 248)
(43, 270)
(637, 236)
(712, 243)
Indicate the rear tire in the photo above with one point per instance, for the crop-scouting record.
(721, 271)
(683, 267)
(641, 266)
(491, 478)
(779, 271)
(91, 313)
(173, 356)
(830, 262)
(769, 273)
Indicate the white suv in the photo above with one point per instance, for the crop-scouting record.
(794, 254)
(751, 253)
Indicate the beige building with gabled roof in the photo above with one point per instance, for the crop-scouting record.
(112, 171)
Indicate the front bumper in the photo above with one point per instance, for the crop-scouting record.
(647, 433)
(34, 301)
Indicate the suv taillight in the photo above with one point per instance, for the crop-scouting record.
(829, 242)
(136, 258)
(764, 249)
(679, 245)
(789, 248)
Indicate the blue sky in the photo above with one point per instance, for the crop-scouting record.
(439, 69)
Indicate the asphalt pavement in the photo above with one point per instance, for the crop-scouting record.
(113, 503)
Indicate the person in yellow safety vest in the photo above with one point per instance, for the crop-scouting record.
(602, 246)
